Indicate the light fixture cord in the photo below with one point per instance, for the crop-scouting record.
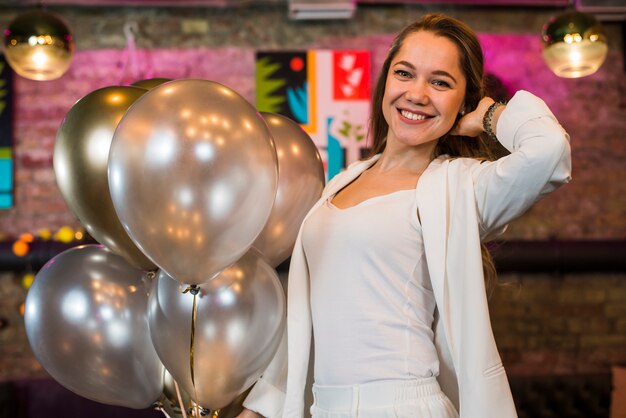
(130, 59)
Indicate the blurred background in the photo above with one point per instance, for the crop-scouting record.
(559, 316)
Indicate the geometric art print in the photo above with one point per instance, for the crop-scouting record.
(326, 91)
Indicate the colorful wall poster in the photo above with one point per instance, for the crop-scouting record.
(326, 91)
(6, 134)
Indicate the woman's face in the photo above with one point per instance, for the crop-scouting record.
(424, 91)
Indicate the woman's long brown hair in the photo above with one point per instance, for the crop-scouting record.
(472, 65)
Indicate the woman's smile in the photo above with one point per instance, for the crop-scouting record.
(412, 116)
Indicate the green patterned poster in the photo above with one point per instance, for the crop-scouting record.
(6, 134)
(326, 91)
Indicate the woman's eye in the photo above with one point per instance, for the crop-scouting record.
(441, 83)
(402, 73)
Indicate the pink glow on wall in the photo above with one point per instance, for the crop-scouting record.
(590, 109)
(516, 60)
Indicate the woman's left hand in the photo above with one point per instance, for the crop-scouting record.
(471, 124)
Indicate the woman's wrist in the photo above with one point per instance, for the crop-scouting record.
(490, 119)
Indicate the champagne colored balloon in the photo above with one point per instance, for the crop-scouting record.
(300, 184)
(239, 322)
(80, 160)
(193, 174)
(150, 83)
(86, 322)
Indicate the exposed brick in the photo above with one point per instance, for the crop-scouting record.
(613, 309)
(588, 325)
(510, 310)
(510, 341)
(587, 341)
(558, 325)
(551, 341)
(617, 294)
(620, 326)
(580, 294)
(525, 326)
(558, 310)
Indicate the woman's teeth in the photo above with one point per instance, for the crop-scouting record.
(412, 116)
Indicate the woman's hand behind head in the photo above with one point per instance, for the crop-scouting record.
(471, 124)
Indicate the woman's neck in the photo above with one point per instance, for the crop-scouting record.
(406, 158)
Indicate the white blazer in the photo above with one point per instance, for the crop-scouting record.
(461, 202)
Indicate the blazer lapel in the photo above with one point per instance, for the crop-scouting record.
(434, 211)
(343, 179)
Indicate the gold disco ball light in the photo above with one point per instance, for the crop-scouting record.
(574, 44)
(38, 45)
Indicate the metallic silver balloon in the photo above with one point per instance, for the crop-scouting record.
(239, 321)
(86, 322)
(81, 151)
(193, 174)
(300, 184)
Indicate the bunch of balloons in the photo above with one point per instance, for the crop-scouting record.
(195, 198)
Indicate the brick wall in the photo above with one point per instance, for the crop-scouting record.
(548, 324)
(543, 323)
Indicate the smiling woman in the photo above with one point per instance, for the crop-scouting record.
(389, 272)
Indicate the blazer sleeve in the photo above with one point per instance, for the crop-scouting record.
(540, 161)
(267, 397)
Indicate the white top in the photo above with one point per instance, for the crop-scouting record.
(371, 298)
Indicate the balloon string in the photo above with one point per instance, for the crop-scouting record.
(180, 400)
(193, 335)
(193, 289)
(165, 413)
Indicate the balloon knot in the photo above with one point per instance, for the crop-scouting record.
(194, 289)
(203, 412)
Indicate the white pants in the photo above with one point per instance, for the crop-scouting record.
(387, 399)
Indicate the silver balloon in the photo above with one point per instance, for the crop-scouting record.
(300, 184)
(86, 322)
(239, 322)
(193, 174)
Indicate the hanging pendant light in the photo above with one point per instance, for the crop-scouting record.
(38, 45)
(574, 44)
